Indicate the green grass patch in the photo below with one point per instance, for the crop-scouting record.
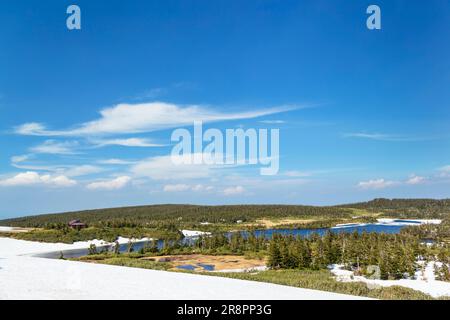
(310, 279)
(125, 261)
(104, 233)
(324, 280)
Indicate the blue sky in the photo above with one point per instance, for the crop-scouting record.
(86, 115)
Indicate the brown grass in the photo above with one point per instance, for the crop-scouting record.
(18, 230)
(270, 223)
(224, 262)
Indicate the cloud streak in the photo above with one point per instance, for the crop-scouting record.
(232, 191)
(382, 137)
(165, 168)
(114, 184)
(414, 180)
(31, 178)
(128, 142)
(186, 187)
(55, 147)
(145, 117)
(376, 184)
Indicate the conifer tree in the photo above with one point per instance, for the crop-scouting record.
(274, 254)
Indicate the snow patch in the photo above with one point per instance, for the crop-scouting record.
(253, 269)
(409, 221)
(391, 222)
(193, 233)
(27, 277)
(424, 281)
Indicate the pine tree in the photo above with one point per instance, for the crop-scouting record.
(318, 259)
(130, 246)
(92, 249)
(274, 254)
(116, 247)
(154, 246)
(303, 254)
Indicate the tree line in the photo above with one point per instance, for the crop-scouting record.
(406, 208)
(394, 255)
(166, 215)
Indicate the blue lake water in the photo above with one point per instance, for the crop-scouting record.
(206, 267)
(378, 228)
(268, 233)
(190, 267)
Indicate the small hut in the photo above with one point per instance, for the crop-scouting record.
(77, 224)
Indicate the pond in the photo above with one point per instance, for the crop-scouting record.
(190, 267)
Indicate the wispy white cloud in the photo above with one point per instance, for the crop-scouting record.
(20, 158)
(179, 167)
(146, 117)
(36, 167)
(23, 162)
(200, 187)
(176, 187)
(30, 178)
(382, 183)
(158, 92)
(82, 170)
(414, 180)
(31, 129)
(381, 137)
(261, 183)
(128, 142)
(231, 191)
(273, 121)
(152, 93)
(114, 184)
(186, 187)
(166, 168)
(444, 172)
(376, 184)
(116, 162)
(109, 129)
(295, 173)
(55, 147)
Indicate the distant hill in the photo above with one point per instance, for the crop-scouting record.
(425, 208)
(156, 214)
